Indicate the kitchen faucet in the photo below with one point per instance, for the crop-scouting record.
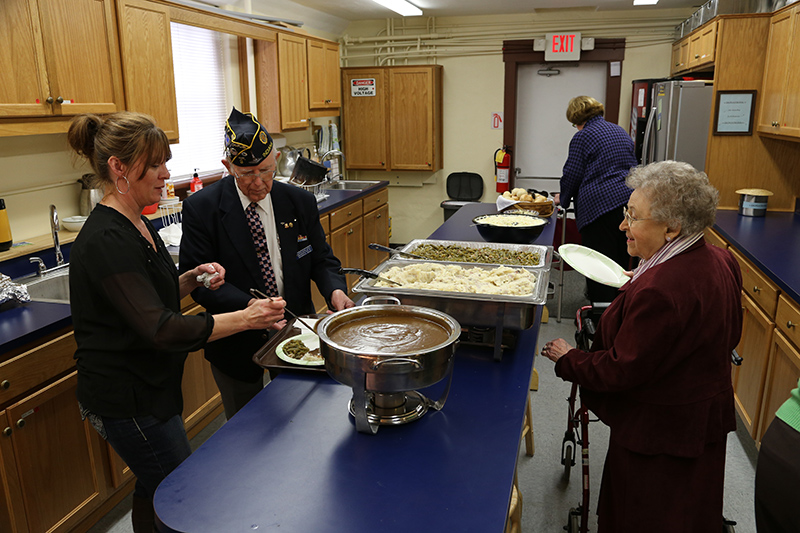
(332, 153)
(54, 232)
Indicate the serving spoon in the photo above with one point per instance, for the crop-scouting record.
(367, 274)
(382, 248)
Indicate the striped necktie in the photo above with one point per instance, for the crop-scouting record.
(260, 241)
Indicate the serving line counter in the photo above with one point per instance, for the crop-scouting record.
(292, 458)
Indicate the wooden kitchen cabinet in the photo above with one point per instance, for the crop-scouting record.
(412, 97)
(779, 109)
(376, 227)
(146, 49)
(51, 461)
(59, 58)
(680, 56)
(324, 80)
(201, 397)
(702, 45)
(748, 379)
(347, 243)
(293, 82)
(782, 376)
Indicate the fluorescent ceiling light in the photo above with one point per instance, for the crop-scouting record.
(402, 7)
(645, 2)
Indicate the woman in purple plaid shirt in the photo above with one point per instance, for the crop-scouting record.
(601, 155)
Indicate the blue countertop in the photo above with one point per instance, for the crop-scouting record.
(771, 243)
(26, 322)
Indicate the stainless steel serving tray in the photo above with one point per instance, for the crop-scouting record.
(545, 252)
(469, 309)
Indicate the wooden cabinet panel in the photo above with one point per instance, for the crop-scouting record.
(782, 376)
(757, 286)
(713, 238)
(364, 120)
(680, 56)
(324, 79)
(376, 229)
(777, 72)
(293, 82)
(748, 379)
(60, 484)
(325, 222)
(702, 45)
(346, 214)
(376, 200)
(790, 124)
(59, 58)
(347, 243)
(414, 108)
(38, 365)
(146, 48)
(787, 318)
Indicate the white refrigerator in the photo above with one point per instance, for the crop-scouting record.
(677, 128)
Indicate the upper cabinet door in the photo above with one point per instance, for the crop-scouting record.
(324, 86)
(293, 82)
(776, 72)
(364, 119)
(415, 108)
(59, 58)
(146, 46)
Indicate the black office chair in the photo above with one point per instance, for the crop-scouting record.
(462, 188)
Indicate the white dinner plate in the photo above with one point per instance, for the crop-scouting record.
(311, 341)
(593, 265)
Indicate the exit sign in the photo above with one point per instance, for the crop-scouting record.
(562, 47)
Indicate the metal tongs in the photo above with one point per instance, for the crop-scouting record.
(367, 274)
(258, 294)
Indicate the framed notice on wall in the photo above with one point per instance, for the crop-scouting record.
(735, 111)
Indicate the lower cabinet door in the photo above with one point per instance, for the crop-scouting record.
(748, 379)
(782, 376)
(56, 457)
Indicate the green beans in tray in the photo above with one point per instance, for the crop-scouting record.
(463, 254)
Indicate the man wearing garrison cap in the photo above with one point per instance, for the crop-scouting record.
(268, 237)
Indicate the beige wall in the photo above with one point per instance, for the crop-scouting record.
(473, 89)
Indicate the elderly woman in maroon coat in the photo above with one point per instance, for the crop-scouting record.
(659, 369)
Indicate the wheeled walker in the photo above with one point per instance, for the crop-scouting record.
(578, 425)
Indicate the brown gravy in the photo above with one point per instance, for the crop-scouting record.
(389, 334)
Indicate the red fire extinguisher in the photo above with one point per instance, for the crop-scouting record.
(502, 168)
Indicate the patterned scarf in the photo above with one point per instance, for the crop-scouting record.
(667, 252)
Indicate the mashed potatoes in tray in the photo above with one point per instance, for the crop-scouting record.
(437, 277)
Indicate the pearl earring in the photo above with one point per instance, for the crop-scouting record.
(669, 239)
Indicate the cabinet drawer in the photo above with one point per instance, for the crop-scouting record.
(36, 366)
(787, 318)
(761, 289)
(713, 238)
(346, 214)
(376, 200)
(325, 221)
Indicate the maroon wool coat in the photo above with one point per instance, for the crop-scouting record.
(659, 371)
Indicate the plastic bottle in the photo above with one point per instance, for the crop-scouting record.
(5, 228)
(196, 184)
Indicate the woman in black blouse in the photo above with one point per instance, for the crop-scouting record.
(125, 294)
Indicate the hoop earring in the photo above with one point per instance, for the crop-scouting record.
(116, 184)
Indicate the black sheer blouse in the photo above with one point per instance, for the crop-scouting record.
(132, 338)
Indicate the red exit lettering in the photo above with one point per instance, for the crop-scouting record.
(563, 43)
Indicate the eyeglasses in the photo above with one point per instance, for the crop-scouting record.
(630, 219)
(249, 176)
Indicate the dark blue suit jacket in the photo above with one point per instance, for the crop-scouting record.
(215, 229)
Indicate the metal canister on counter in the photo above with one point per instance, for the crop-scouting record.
(753, 202)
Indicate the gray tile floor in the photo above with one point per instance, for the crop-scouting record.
(547, 494)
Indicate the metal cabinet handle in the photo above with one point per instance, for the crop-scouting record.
(49, 100)
(696, 56)
(379, 216)
(7, 432)
(5, 384)
(350, 232)
(21, 423)
(756, 289)
(790, 324)
(60, 100)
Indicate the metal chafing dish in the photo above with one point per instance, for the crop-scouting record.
(486, 310)
(545, 252)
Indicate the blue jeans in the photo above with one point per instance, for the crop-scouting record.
(152, 448)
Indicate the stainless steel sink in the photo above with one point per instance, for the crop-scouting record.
(348, 185)
(50, 287)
